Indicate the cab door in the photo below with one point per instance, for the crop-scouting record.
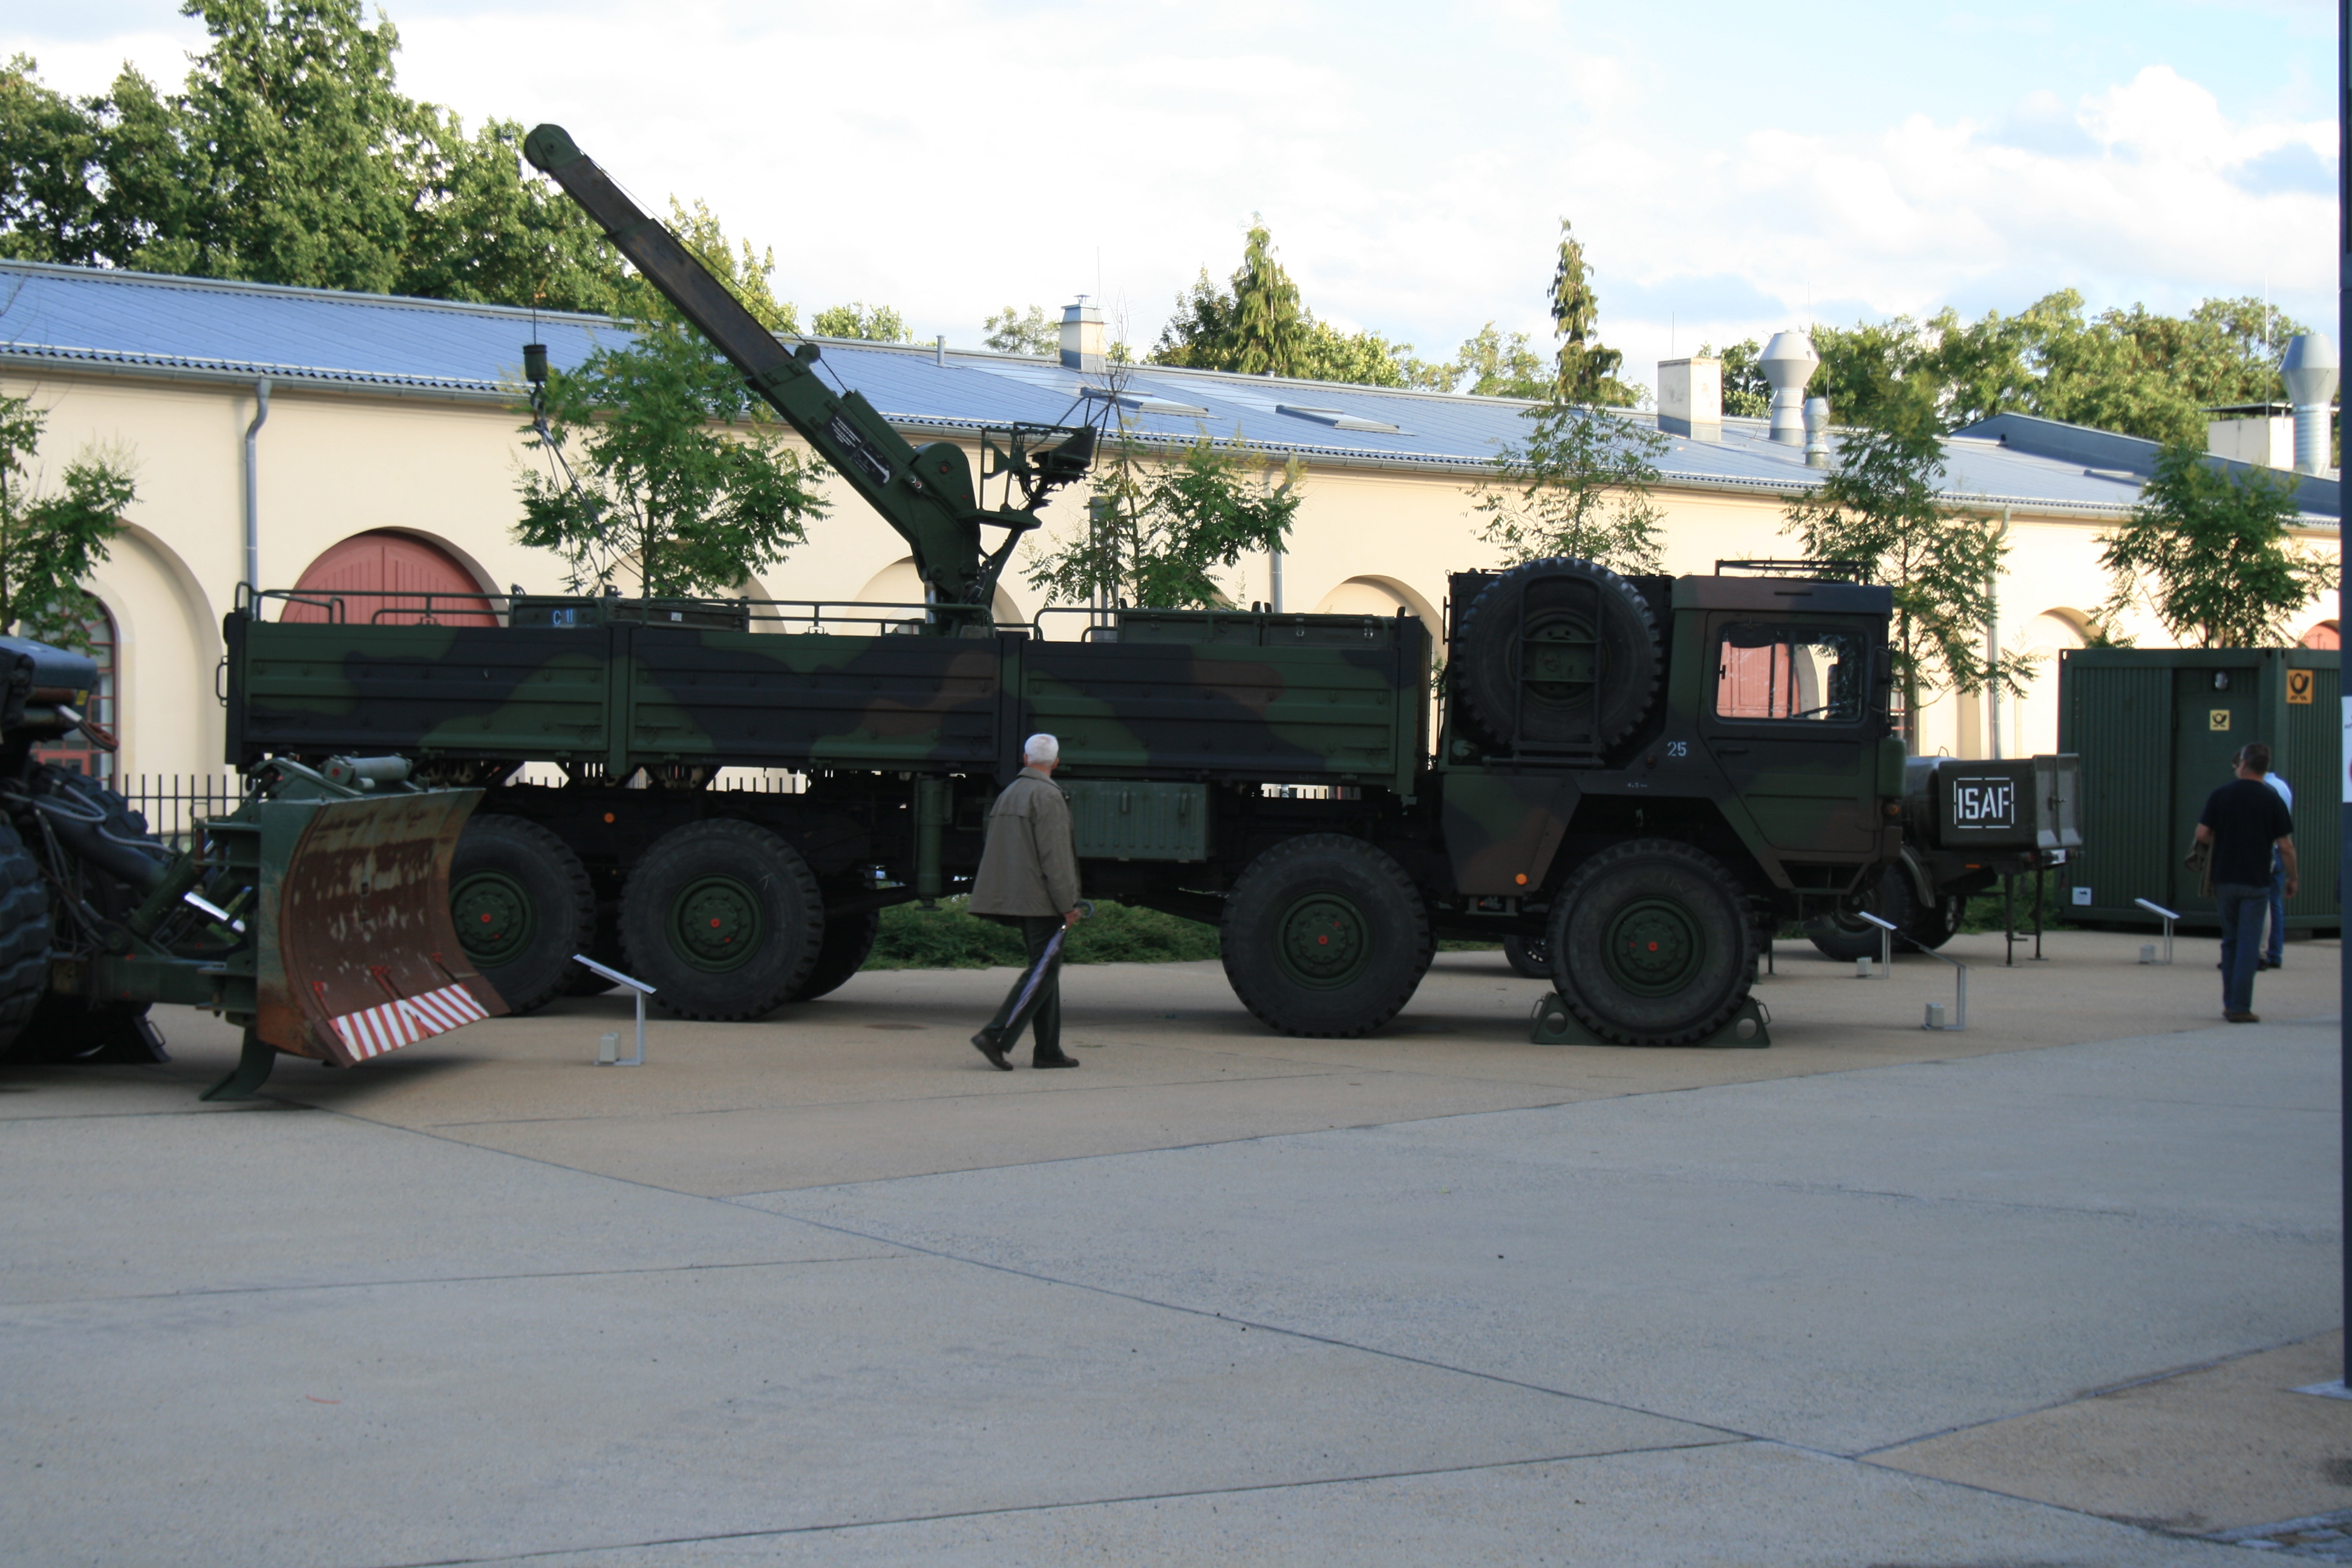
(1792, 722)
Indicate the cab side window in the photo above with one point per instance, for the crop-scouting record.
(1815, 675)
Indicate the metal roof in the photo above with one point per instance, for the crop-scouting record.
(152, 325)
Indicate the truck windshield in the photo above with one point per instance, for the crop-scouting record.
(1814, 674)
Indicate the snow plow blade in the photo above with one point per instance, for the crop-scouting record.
(356, 956)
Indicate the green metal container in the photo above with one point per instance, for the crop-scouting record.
(2157, 729)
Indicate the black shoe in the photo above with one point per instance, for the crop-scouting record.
(992, 1050)
(1055, 1060)
(2261, 963)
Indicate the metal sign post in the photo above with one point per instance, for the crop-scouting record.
(1886, 929)
(2344, 602)
(2168, 916)
(642, 991)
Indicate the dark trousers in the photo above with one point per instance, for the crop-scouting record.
(2275, 948)
(2242, 905)
(1035, 999)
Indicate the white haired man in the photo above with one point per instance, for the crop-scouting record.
(1028, 879)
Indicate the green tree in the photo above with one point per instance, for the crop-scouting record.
(1157, 530)
(2209, 554)
(1586, 372)
(1746, 393)
(291, 156)
(50, 541)
(1010, 331)
(748, 276)
(1578, 485)
(1880, 505)
(1501, 366)
(684, 479)
(876, 323)
(1259, 327)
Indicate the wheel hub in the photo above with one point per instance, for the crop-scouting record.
(1322, 941)
(1654, 947)
(715, 924)
(1557, 659)
(493, 916)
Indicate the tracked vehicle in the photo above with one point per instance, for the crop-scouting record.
(1636, 772)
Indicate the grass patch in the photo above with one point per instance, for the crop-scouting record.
(948, 936)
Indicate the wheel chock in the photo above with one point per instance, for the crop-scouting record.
(252, 1069)
(1554, 1025)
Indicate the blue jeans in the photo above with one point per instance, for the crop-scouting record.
(2243, 905)
(2274, 949)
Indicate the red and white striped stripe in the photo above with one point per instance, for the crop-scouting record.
(407, 1021)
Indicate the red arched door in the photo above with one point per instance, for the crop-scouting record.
(384, 578)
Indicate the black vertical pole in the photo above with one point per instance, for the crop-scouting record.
(2343, 790)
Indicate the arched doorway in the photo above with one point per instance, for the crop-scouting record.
(384, 578)
(2325, 635)
(77, 752)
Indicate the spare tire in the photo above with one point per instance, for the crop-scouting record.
(1557, 652)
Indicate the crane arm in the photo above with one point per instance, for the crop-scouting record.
(925, 492)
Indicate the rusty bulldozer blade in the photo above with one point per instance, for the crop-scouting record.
(354, 954)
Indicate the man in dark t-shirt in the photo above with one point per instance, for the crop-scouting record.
(2243, 821)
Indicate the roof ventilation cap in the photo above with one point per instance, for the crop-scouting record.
(1787, 363)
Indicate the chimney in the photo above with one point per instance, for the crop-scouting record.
(1817, 432)
(1082, 336)
(1690, 397)
(2309, 371)
(1787, 363)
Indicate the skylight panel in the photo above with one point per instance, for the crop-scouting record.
(1338, 418)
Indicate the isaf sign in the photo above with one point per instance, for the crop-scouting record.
(1984, 805)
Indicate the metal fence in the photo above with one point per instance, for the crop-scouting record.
(174, 803)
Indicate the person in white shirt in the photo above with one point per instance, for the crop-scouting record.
(2274, 952)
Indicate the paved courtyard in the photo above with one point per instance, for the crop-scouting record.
(827, 1290)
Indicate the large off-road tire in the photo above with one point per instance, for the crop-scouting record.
(605, 947)
(1846, 937)
(1557, 652)
(1933, 924)
(1651, 943)
(848, 943)
(68, 1029)
(24, 938)
(1528, 956)
(723, 919)
(1324, 936)
(522, 906)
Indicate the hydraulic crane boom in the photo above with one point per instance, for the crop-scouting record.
(926, 492)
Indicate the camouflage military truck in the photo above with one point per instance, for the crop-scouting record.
(1637, 772)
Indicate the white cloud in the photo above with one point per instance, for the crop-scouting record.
(1413, 161)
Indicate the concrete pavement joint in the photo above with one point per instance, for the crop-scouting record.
(1016, 1509)
(1868, 1455)
(891, 1256)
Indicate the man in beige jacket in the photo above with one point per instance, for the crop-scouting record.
(1028, 878)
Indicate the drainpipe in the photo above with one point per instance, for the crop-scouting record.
(253, 485)
(1274, 580)
(1992, 640)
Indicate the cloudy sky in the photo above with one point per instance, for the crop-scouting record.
(1732, 169)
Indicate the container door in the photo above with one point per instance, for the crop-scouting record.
(2214, 712)
(2313, 763)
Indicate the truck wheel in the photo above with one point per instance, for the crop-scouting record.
(848, 943)
(521, 904)
(24, 938)
(1846, 937)
(1529, 956)
(1651, 943)
(1554, 652)
(723, 919)
(605, 947)
(1324, 936)
(1933, 925)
